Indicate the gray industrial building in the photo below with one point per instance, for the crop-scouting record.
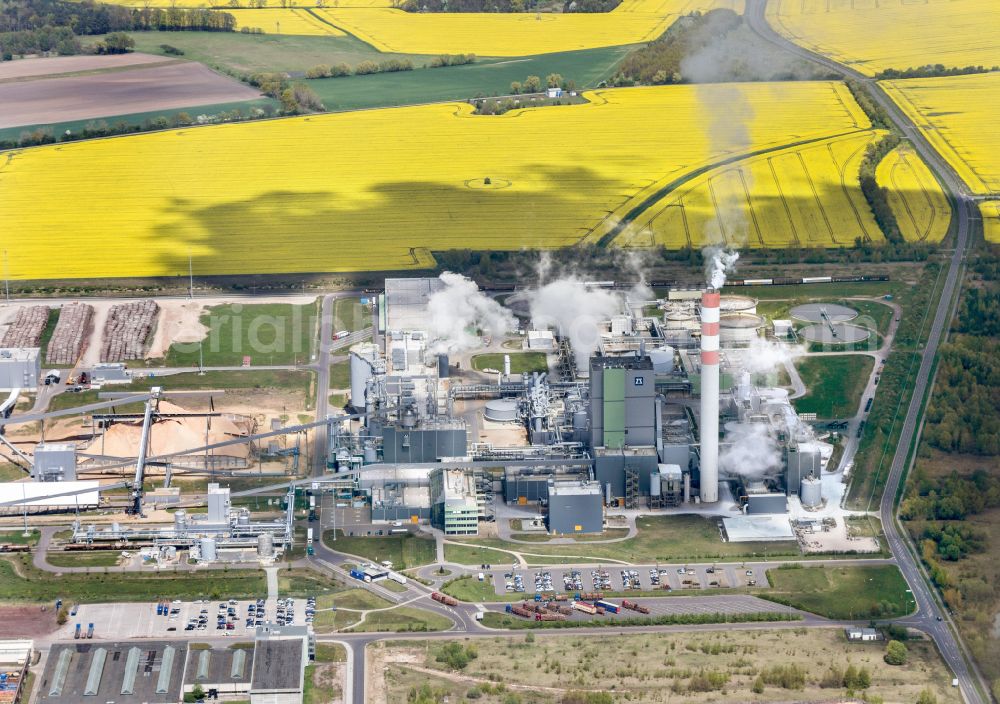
(20, 368)
(771, 502)
(416, 441)
(280, 656)
(405, 302)
(226, 670)
(530, 485)
(54, 462)
(454, 502)
(622, 402)
(575, 507)
(130, 671)
(802, 459)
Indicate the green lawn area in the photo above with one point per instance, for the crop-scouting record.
(340, 375)
(404, 618)
(248, 53)
(520, 362)
(350, 315)
(319, 686)
(856, 593)
(483, 78)
(348, 603)
(27, 584)
(262, 379)
(105, 558)
(404, 551)
(834, 384)
(469, 588)
(268, 333)
(16, 537)
(660, 538)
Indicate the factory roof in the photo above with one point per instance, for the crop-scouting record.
(575, 489)
(742, 529)
(622, 362)
(55, 447)
(49, 494)
(214, 666)
(126, 671)
(20, 354)
(406, 302)
(277, 664)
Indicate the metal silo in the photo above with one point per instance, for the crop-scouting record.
(208, 553)
(811, 492)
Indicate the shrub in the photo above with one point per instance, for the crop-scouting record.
(895, 653)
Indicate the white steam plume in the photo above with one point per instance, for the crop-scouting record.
(749, 451)
(574, 310)
(460, 311)
(718, 263)
(764, 355)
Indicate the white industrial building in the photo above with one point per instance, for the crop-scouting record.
(20, 368)
(16, 497)
(54, 462)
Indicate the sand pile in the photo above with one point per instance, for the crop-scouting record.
(170, 435)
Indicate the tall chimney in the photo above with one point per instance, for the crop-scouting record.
(709, 422)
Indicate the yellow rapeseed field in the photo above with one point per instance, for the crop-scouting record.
(874, 35)
(513, 34)
(990, 210)
(803, 196)
(380, 188)
(284, 21)
(959, 115)
(915, 196)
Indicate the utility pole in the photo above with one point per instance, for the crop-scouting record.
(190, 275)
(6, 276)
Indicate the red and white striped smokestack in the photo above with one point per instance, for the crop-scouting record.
(709, 421)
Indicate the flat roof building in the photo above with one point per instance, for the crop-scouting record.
(281, 654)
(575, 507)
(20, 368)
(406, 302)
(454, 506)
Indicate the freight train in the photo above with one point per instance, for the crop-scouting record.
(500, 286)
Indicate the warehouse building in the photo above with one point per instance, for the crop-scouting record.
(226, 671)
(575, 507)
(405, 303)
(20, 368)
(454, 506)
(129, 671)
(280, 656)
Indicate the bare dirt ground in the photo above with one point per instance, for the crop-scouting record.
(26, 621)
(158, 87)
(56, 65)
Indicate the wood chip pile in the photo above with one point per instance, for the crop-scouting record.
(27, 328)
(129, 328)
(70, 334)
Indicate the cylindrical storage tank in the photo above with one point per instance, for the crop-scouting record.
(244, 520)
(737, 304)
(662, 359)
(361, 372)
(180, 520)
(580, 419)
(371, 454)
(265, 545)
(502, 410)
(607, 493)
(208, 549)
(654, 484)
(739, 328)
(811, 492)
(443, 370)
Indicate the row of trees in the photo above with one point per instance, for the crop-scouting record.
(876, 195)
(534, 84)
(932, 70)
(295, 98)
(90, 17)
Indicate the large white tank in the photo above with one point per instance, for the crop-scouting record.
(501, 410)
(208, 553)
(180, 520)
(265, 545)
(811, 492)
(654, 484)
(739, 328)
(663, 359)
(737, 304)
(361, 371)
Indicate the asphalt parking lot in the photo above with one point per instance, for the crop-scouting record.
(140, 620)
(644, 578)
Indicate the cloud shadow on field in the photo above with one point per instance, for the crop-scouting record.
(317, 231)
(322, 230)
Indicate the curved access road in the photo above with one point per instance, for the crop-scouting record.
(931, 616)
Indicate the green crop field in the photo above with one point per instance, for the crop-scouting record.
(877, 591)
(834, 384)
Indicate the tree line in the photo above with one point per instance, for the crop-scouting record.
(878, 196)
(932, 71)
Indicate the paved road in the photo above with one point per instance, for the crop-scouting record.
(930, 616)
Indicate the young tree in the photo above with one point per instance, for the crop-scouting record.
(895, 653)
(553, 80)
(532, 84)
(515, 87)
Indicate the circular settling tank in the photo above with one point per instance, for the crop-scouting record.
(737, 304)
(739, 328)
(834, 334)
(823, 313)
